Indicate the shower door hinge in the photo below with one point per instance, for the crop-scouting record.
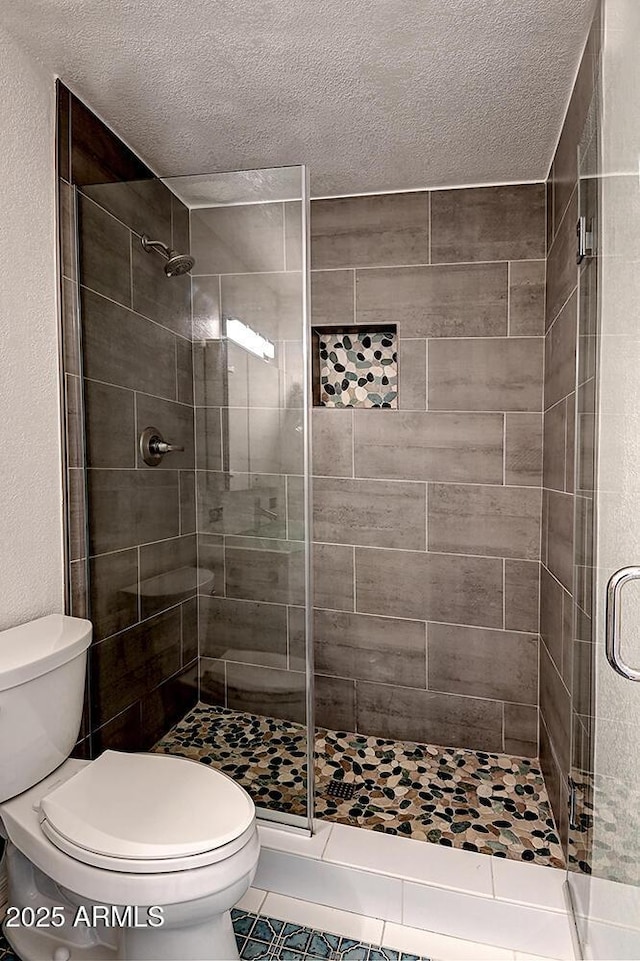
(585, 240)
(573, 790)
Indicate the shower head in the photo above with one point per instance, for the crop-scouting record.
(176, 264)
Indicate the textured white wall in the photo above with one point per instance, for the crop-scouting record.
(31, 574)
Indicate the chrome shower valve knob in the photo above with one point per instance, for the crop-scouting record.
(153, 446)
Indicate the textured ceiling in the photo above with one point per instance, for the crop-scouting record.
(373, 95)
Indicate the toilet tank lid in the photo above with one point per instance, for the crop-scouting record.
(39, 646)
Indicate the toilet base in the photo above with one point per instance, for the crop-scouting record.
(198, 930)
(213, 940)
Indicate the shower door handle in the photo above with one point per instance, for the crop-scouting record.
(612, 630)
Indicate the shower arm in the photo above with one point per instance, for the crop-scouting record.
(149, 244)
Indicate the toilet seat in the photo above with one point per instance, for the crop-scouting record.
(147, 814)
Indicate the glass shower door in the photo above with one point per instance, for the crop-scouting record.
(606, 888)
(194, 348)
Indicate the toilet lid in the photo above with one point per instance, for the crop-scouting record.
(148, 806)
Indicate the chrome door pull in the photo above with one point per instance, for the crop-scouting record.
(612, 632)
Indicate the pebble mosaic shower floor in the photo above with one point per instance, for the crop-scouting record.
(491, 803)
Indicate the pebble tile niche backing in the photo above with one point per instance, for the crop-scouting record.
(358, 368)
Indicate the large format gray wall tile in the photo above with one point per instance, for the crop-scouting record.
(205, 307)
(333, 577)
(555, 441)
(440, 587)
(523, 454)
(399, 712)
(458, 301)
(208, 438)
(167, 300)
(243, 631)
(488, 223)
(369, 512)
(555, 706)
(227, 240)
(493, 664)
(560, 354)
(521, 730)
(430, 446)
(241, 504)
(267, 691)
(521, 586)
(113, 580)
(105, 255)
(527, 280)
(143, 205)
(370, 648)
(129, 507)
(370, 231)
(168, 703)
(560, 537)
(412, 374)
(494, 521)
(262, 570)
(562, 272)
(335, 703)
(175, 423)
(332, 442)
(269, 303)
(122, 348)
(168, 573)
(486, 374)
(110, 427)
(128, 665)
(332, 296)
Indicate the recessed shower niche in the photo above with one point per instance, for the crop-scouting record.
(355, 366)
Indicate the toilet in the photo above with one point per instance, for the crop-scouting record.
(141, 855)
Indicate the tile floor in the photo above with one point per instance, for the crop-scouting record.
(490, 803)
(259, 936)
(264, 937)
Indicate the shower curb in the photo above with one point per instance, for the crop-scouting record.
(452, 892)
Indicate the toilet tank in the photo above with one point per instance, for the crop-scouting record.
(42, 673)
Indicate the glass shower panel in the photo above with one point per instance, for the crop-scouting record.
(195, 330)
(606, 887)
(248, 235)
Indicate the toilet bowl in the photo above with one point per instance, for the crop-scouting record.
(107, 841)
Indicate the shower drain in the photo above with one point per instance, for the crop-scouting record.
(342, 789)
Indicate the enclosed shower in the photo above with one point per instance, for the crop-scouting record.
(309, 544)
